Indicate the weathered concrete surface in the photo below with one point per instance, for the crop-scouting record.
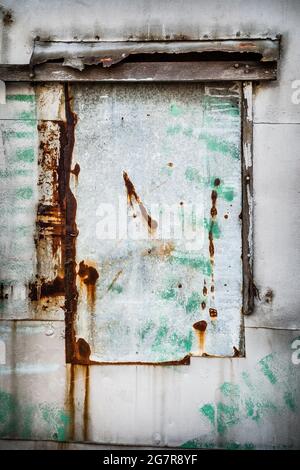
(251, 402)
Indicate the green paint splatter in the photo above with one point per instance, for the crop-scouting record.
(227, 416)
(25, 155)
(208, 410)
(224, 192)
(221, 146)
(266, 368)
(27, 116)
(57, 420)
(231, 390)
(182, 342)
(168, 294)
(21, 98)
(172, 130)
(24, 193)
(176, 110)
(146, 330)
(14, 173)
(290, 400)
(193, 302)
(197, 444)
(213, 227)
(196, 262)
(19, 134)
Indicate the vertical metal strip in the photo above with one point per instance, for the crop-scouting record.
(247, 195)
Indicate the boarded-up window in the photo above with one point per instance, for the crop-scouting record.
(158, 252)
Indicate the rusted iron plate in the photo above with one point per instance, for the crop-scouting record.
(146, 294)
(205, 71)
(78, 54)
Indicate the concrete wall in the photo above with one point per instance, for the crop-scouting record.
(250, 402)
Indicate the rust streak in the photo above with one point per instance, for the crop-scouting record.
(82, 351)
(200, 329)
(68, 201)
(132, 194)
(40, 290)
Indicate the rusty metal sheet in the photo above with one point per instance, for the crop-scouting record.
(78, 54)
(32, 268)
(158, 197)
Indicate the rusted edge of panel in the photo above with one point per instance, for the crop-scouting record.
(194, 71)
(78, 54)
(247, 195)
(67, 136)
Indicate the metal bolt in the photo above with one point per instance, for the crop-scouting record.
(247, 179)
(31, 75)
(236, 66)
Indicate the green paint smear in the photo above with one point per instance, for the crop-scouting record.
(231, 390)
(19, 134)
(146, 330)
(24, 193)
(221, 146)
(266, 368)
(21, 98)
(14, 173)
(238, 446)
(196, 262)
(227, 416)
(182, 342)
(25, 155)
(208, 411)
(193, 302)
(173, 130)
(16, 418)
(224, 192)
(27, 116)
(116, 288)
(290, 401)
(213, 227)
(225, 106)
(169, 294)
(197, 444)
(176, 110)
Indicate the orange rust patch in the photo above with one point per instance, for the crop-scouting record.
(47, 289)
(88, 275)
(82, 351)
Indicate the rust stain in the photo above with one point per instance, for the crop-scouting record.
(226, 216)
(203, 305)
(88, 275)
(82, 351)
(41, 289)
(132, 194)
(68, 201)
(268, 297)
(7, 18)
(211, 246)
(200, 329)
(236, 352)
(76, 170)
(161, 249)
(213, 313)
